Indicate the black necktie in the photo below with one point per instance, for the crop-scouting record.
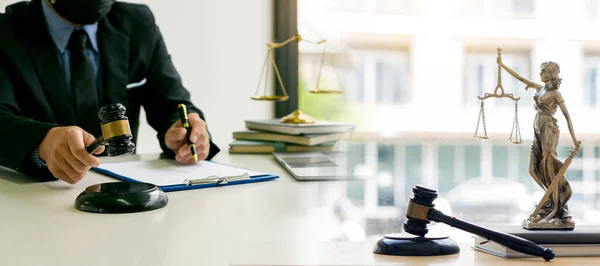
(83, 83)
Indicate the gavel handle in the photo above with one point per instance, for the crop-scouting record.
(513, 242)
(95, 145)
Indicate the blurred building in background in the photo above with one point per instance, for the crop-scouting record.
(412, 71)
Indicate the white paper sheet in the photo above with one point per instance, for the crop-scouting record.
(170, 172)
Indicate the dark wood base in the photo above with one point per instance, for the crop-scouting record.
(410, 245)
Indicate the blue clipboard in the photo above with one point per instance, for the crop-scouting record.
(182, 186)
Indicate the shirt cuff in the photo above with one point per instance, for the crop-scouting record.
(37, 161)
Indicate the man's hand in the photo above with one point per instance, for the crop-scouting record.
(175, 139)
(63, 150)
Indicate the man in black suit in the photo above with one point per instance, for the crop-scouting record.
(60, 60)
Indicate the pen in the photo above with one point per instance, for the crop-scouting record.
(216, 179)
(186, 124)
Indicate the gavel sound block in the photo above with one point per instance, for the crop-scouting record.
(421, 211)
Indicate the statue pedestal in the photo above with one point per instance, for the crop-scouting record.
(538, 223)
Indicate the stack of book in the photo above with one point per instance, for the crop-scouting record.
(583, 241)
(267, 136)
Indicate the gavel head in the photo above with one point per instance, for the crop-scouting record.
(418, 208)
(115, 130)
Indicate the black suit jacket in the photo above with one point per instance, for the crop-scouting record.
(34, 96)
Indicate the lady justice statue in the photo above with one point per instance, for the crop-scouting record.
(544, 166)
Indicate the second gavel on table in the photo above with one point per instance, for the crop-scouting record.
(421, 211)
(116, 133)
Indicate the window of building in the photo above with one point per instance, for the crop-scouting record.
(500, 161)
(386, 165)
(355, 159)
(390, 82)
(521, 8)
(413, 165)
(563, 152)
(472, 161)
(591, 86)
(446, 164)
(574, 175)
(590, 79)
(524, 176)
(359, 84)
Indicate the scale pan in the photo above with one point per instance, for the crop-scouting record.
(270, 98)
(325, 91)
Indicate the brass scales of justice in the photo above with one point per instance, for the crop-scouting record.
(515, 133)
(298, 116)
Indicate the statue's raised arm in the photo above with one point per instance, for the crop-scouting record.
(528, 83)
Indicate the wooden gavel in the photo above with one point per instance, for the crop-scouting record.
(421, 211)
(116, 133)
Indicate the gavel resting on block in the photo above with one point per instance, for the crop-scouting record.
(118, 197)
(116, 133)
(421, 211)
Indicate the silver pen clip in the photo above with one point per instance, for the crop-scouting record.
(215, 179)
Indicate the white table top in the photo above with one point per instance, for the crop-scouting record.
(281, 222)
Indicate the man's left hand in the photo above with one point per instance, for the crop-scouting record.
(175, 139)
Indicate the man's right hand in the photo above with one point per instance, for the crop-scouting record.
(63, 150)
